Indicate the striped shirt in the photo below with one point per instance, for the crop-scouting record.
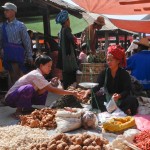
(17, 33)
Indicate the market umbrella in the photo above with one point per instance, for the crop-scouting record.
(91, 17)
(141, 26)
(115, 7)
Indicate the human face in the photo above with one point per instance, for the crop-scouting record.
(9, 14)
(99, 27)
(112, 62)
(45, 69)
(67, 23)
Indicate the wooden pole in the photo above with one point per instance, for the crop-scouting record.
(106, 40)
(46, 23)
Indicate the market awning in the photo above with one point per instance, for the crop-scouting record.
(36, 24)
(115, 7)
(135, 26)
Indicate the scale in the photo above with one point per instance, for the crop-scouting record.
(88, 85)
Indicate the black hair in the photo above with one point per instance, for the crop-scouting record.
(42, 59)
(142, 47)
(29, 31)
(135, 36)
(83, 46)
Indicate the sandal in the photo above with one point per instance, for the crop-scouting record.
(16, 115)
(27, 110)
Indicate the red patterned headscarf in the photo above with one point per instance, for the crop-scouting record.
(118, 53)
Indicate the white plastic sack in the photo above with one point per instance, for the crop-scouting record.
(67, 124)
(130, 134)
(111, 105)
(67, 114)
(68, 121)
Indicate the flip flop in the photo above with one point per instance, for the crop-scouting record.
(16, 115)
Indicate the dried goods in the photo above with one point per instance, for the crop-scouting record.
(119, 124)
(44, 118)
(67, 101)
(142, 140)
(117, 144)
(18, 137)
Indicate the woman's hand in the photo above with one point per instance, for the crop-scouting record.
(84, 94)
(74, 93)
(116, 96)
(79, 95)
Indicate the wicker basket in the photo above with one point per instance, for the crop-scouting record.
(94, 68)
(86, 77)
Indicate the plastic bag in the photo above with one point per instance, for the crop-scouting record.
(111, 105)
(119, 124)
(68, 120)
(89, 120)
(65, 124)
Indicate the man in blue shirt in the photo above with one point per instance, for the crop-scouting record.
(15, 43)
(139, 63)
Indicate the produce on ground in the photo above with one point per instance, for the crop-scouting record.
(67, 101)
(44, 118)
(142, 140)
(72, 142)
(18, 137)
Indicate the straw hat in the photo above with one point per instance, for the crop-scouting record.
(143, 41)
(100, 21)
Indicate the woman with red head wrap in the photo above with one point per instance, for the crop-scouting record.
(118, 53)
(116, 82)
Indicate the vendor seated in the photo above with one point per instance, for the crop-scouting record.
(116, 82)
(32, 88)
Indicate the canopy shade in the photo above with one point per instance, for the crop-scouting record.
(36, 24)
(125, 25)
(115, 7)
(135, 26)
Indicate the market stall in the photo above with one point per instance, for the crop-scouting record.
(77, 126)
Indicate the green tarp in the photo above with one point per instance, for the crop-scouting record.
(36, 24)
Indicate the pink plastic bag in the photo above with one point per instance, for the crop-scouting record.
(142, 122)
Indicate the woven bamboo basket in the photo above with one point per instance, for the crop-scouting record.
(90, 72)
(92, 67)
(86, 77)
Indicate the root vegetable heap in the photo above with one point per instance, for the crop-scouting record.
(44, 118)
(74, 142)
